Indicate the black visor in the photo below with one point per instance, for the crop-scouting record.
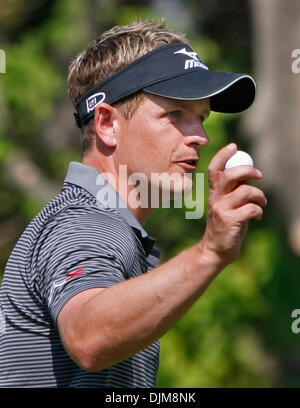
(173, 71)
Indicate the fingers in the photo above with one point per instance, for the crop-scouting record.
(245, 194)
(218, 162)
(248, 212)
(233, 194)
(224, 181)
(245, 203)
(231, 178)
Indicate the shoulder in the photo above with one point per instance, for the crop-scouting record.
(86, 228)
(92, 220)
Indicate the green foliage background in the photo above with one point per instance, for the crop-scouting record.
(239, 333)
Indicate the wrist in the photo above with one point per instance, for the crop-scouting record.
(209, 258)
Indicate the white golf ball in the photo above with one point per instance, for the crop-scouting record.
(240, 158)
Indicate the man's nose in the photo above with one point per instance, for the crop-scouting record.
(196, 135)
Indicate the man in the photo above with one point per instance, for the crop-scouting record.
(83, 300)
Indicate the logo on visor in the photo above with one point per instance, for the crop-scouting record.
(94, 100)
(194, 60)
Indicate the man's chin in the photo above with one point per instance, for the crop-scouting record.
(178, 190)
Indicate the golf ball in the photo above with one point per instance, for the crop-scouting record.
(240, 158)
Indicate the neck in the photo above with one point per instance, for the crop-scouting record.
(120, 181)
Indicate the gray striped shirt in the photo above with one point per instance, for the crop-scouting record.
(75, 243)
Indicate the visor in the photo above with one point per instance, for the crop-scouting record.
(173, 71)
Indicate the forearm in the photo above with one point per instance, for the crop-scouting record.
(127, 317)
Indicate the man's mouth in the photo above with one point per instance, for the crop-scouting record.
(190, 165)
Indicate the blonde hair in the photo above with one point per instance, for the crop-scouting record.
(109, 53)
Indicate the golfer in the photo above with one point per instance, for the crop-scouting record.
(83, 301)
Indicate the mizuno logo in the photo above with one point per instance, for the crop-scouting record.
(194, 60)
(188, 53)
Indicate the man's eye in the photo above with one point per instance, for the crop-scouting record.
(174, 114)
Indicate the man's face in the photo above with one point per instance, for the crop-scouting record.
(163, 136)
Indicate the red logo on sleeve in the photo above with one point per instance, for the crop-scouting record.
(78, 272)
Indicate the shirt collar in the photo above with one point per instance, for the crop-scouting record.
(93, 181)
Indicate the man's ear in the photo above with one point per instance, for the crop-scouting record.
(106, 117)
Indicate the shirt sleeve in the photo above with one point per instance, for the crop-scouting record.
(83, 250)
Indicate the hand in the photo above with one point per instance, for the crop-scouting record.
(232, 203)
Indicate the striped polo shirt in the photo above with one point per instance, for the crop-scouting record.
(85, 237)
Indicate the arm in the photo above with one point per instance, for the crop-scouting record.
(101, 327)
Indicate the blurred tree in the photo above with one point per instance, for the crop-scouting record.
(17, 16)
(273, 121)
(273, 125)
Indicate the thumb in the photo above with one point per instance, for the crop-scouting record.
(218, 162)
